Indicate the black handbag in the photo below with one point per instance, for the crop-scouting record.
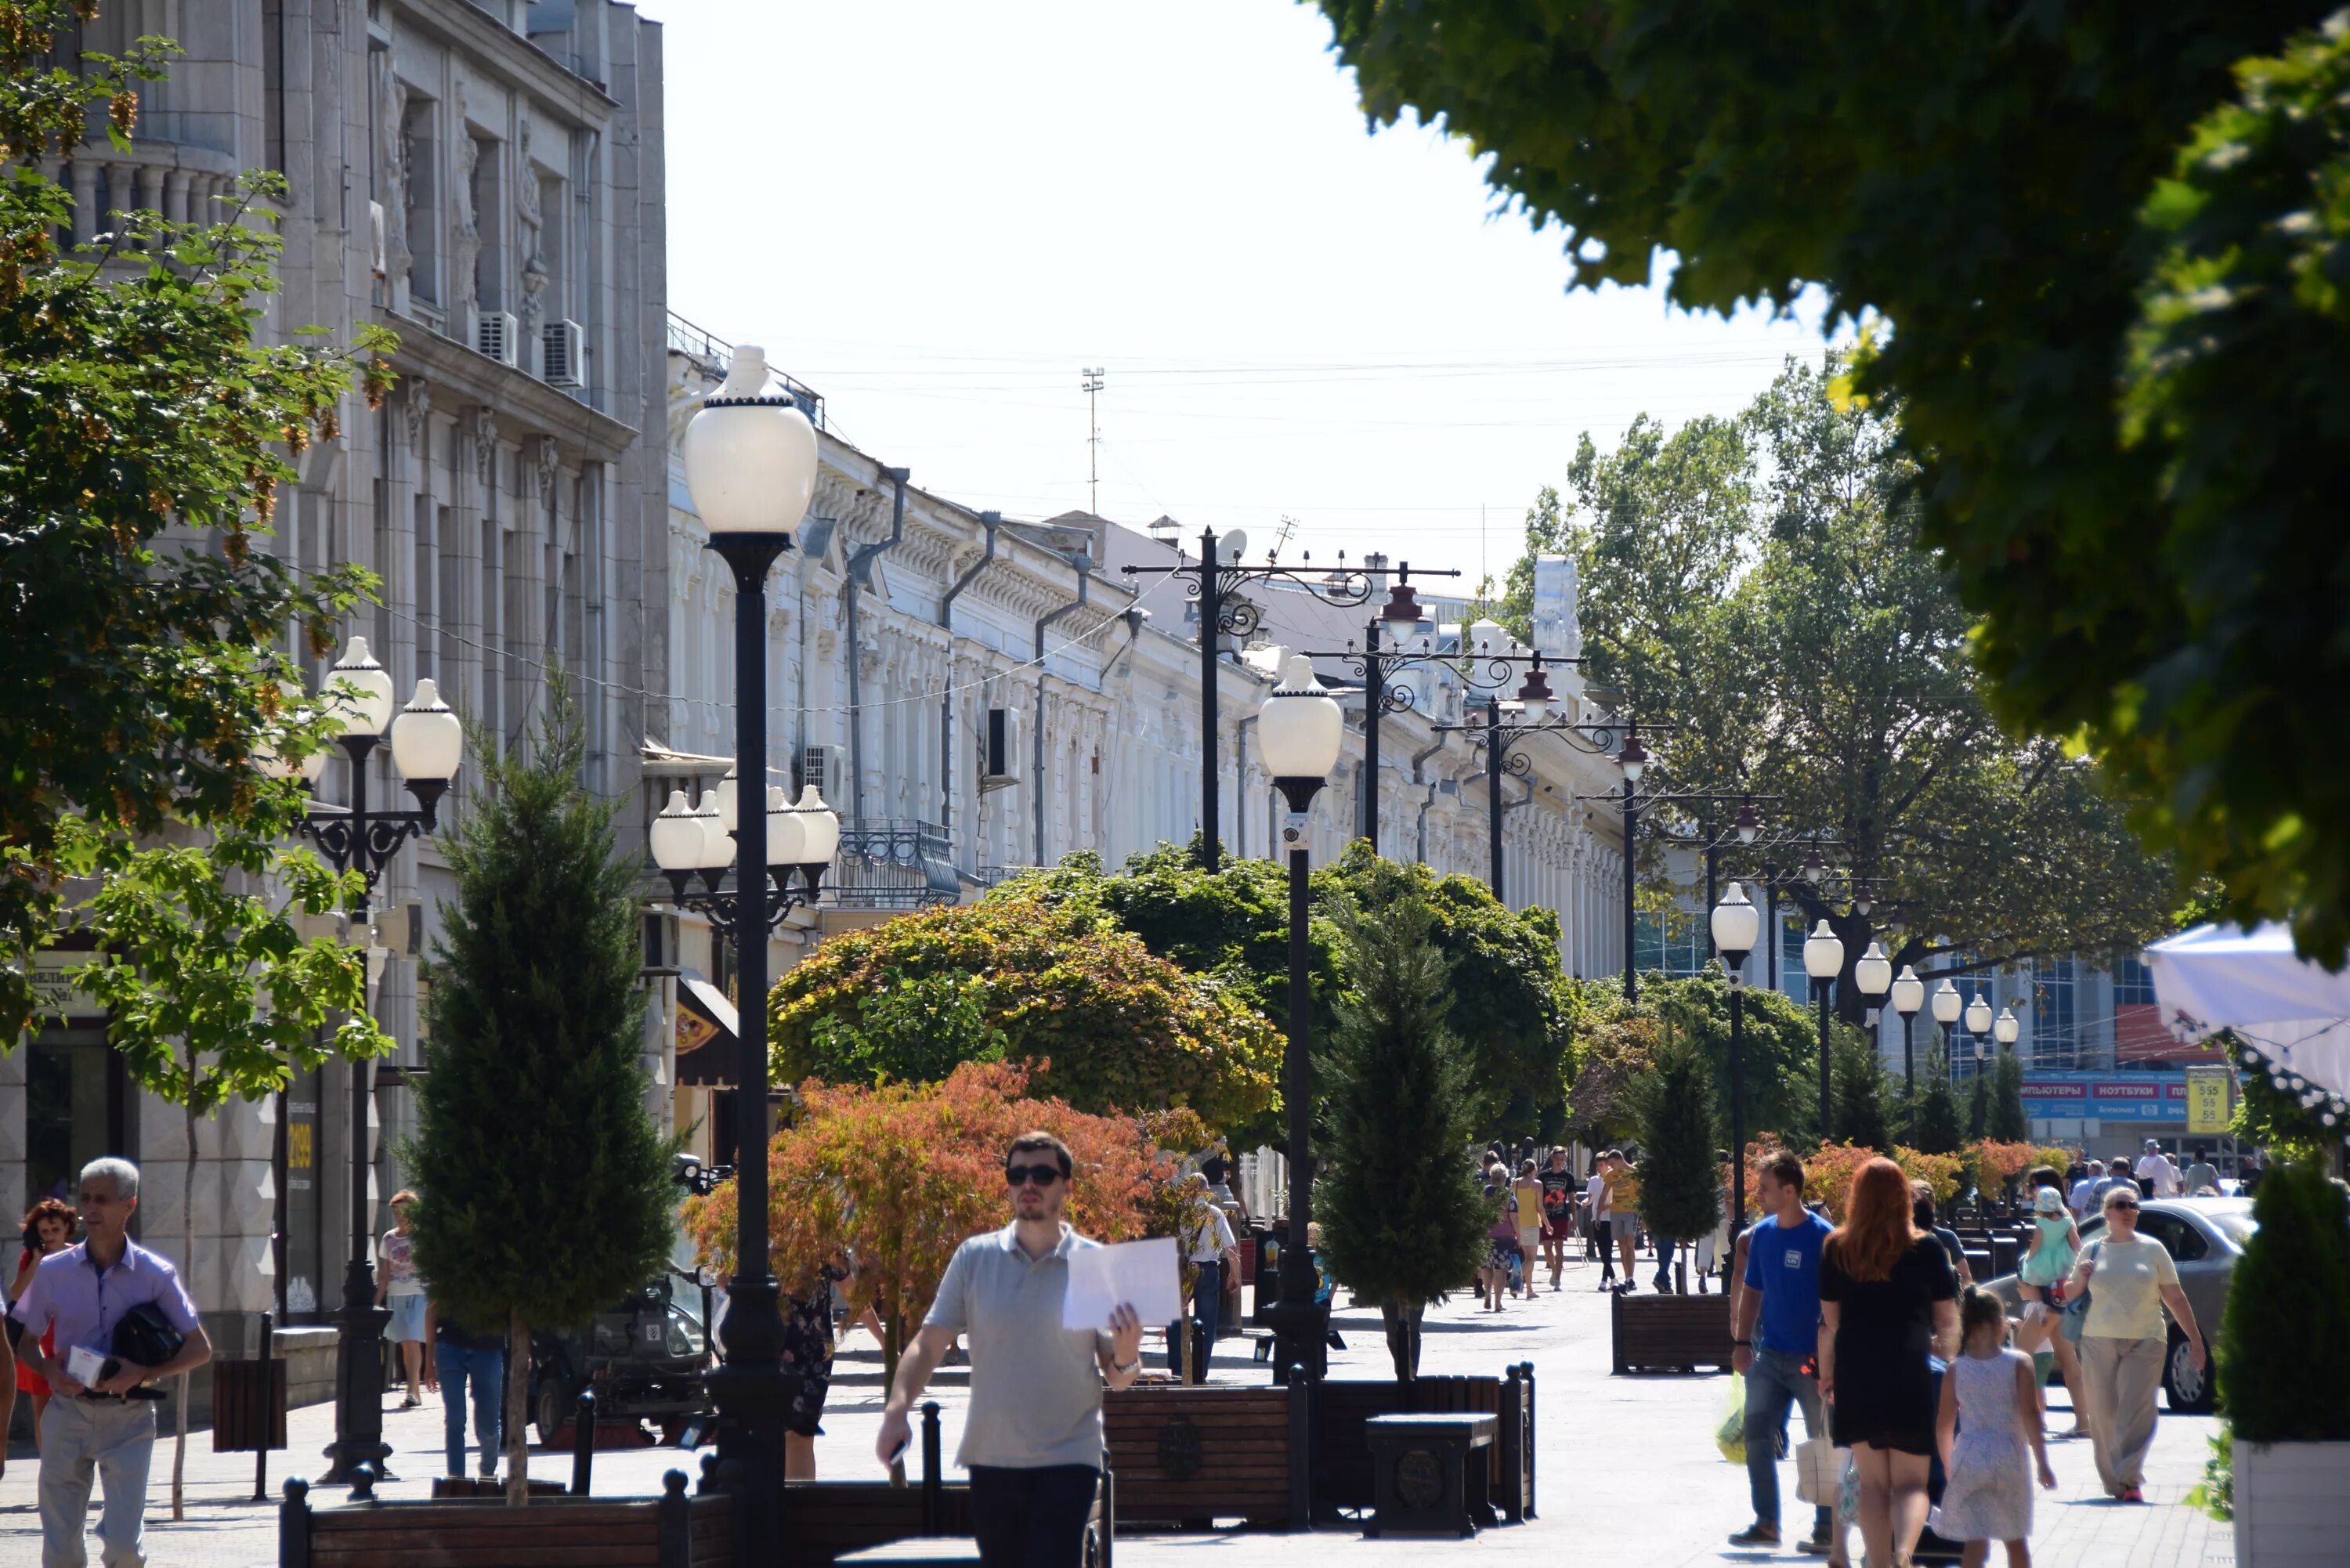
(144, 1338)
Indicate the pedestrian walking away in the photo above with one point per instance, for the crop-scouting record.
(2083, 1199)
(1777, 1315)
(464, 1357)
(403, 1289)
(1500, 1237)
(1528, 1193)
(2130, 1280)
(807, 1356)
(99, 1298)
(1598, 1228)
(1989, 1434)
(2203, 1177)
(1888, 1300)
(50, 1227)
(2156, 1175)
(1032, 1434)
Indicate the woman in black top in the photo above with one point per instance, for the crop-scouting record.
(1889, 1299)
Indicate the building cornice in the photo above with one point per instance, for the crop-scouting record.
(523, 64)
(461, 377)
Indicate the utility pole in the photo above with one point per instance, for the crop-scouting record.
(1092, 384)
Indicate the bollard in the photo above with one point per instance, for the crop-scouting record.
(1527, 1380)
(583, 1442)
(294, 1525)
(363, 1482)
(933, 1480)
(1301, 1450)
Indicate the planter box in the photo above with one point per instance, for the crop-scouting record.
(2289, 1504)
(1670, 1333)
(672, 1531)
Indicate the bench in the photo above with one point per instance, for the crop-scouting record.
(672, 1531)
(916, 1552)
(1429, 1476)
(1670, 1333)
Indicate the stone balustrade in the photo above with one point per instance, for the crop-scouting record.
(174, 179)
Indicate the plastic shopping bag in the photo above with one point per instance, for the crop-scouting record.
(1729, 1436)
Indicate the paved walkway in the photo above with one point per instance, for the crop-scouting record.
(1629, 1474)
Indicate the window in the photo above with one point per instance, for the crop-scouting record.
(2133, 983)
(2178, 1236)
(1674, 943)
(2055, 1033)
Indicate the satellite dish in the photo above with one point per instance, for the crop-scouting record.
(1234, 544)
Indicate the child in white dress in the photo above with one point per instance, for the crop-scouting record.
(1989, 1413)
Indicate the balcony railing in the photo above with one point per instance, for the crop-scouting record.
(716, 352)
(168, 177)
(894, 863)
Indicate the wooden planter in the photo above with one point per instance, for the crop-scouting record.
(1670, 1334)
(2288, 1504)
(672, 1531)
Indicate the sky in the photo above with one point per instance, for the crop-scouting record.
(939, 215)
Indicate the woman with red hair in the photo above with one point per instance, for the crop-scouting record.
(1887, 1301)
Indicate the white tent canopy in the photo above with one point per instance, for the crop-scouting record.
(2295, 1013)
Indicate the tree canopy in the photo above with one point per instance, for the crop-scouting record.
(146, 806)
(2097, 247)
(1757, 583)
(1617, 1043)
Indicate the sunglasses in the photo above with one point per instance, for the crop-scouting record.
(1028, 1175)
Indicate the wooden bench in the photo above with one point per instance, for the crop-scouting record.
(1670, 1333)
(1430, 1474)
(672, 1531)
(916, 1552)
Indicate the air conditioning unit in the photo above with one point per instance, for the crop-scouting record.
(563, 348)
(825, 766)
(999, 757)
(497, 336)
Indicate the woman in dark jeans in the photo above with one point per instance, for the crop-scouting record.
(1889, 1299)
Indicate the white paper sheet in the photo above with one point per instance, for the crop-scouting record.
(1141, 1274)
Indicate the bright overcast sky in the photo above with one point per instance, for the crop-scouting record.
(937, 214)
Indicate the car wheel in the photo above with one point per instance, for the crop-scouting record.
(550, 1407)
(2189, 1389)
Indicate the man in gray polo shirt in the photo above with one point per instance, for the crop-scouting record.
(1033, 1436)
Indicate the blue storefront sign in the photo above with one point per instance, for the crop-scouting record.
(2106, 1097)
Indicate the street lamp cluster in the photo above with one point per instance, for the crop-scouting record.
(801, 839)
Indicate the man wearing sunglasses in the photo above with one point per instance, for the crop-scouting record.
(1032, 1437)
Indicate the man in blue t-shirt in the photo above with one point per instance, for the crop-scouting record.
(1779, 1361)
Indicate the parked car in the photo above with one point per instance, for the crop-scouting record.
(2205, 1236)
(644, 1356)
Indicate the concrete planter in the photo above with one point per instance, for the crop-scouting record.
(2289, 1504)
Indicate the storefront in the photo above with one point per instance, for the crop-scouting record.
(2110, 1114)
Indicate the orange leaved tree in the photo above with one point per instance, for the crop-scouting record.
(901, 1176)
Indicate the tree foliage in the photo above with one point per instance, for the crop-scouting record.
(2008, 1122)
(1857, 1091)
(144, 437)
(1615, 1042)
(900, 1175)
(1681, 1180)
(1758, 583)
(1402, 1217)
(2104, 239)
(1934, 1124)
(2279, 1386)
(546, 1189)
(1100, 1020)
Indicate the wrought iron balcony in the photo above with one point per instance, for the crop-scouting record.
(893, 862)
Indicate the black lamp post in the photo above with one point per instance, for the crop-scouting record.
(1499, 742)
(1946, 1004)
(751, 466)
(427, 744)
(1214, 582)
(1824, 960)
(1733, 924)
(1909, 996)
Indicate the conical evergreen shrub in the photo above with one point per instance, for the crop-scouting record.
(1856, 1087)
(1681, 1181)
(2285, 1350)
(1934, 1116)
(1403, 1217)
(546, 1189)
(2008, 1121)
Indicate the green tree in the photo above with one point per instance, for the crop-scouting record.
(1403, 1219)
(2156, 574)
(143, 436)
(1857, 1093)
(2008, 1122)
(2270, 1113)
(1934, 1126)
(1780, 1063)
(2290, 1387)
(1681, 1180)
(547, 1189)
(1979, 1106)
(1759, 583)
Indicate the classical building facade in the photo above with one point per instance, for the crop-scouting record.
(485, 180)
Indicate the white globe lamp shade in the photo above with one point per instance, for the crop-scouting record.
(786, 830)
(821, 830)
(1299, 729)
(358, 692)
(717, 844)
(725, 792)
(1873, 972)
(2007, 1026)
(1736, 922)
(1823, 953)
(676, 835)
(749, 461)
(1978, 1015)
(1633, 759)
(1947, 1003)
(427, 741)
(1908, 992)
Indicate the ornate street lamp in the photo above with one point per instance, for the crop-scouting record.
(1299, 733)
(1948, 1005)
(751, 467)
(2006, 1028)
(1979, 1025)
(801, 841)
(1735, 923)
(427, 745)
(1823, 960)
(1908, 997)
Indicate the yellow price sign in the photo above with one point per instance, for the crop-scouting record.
(2206, 1100)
